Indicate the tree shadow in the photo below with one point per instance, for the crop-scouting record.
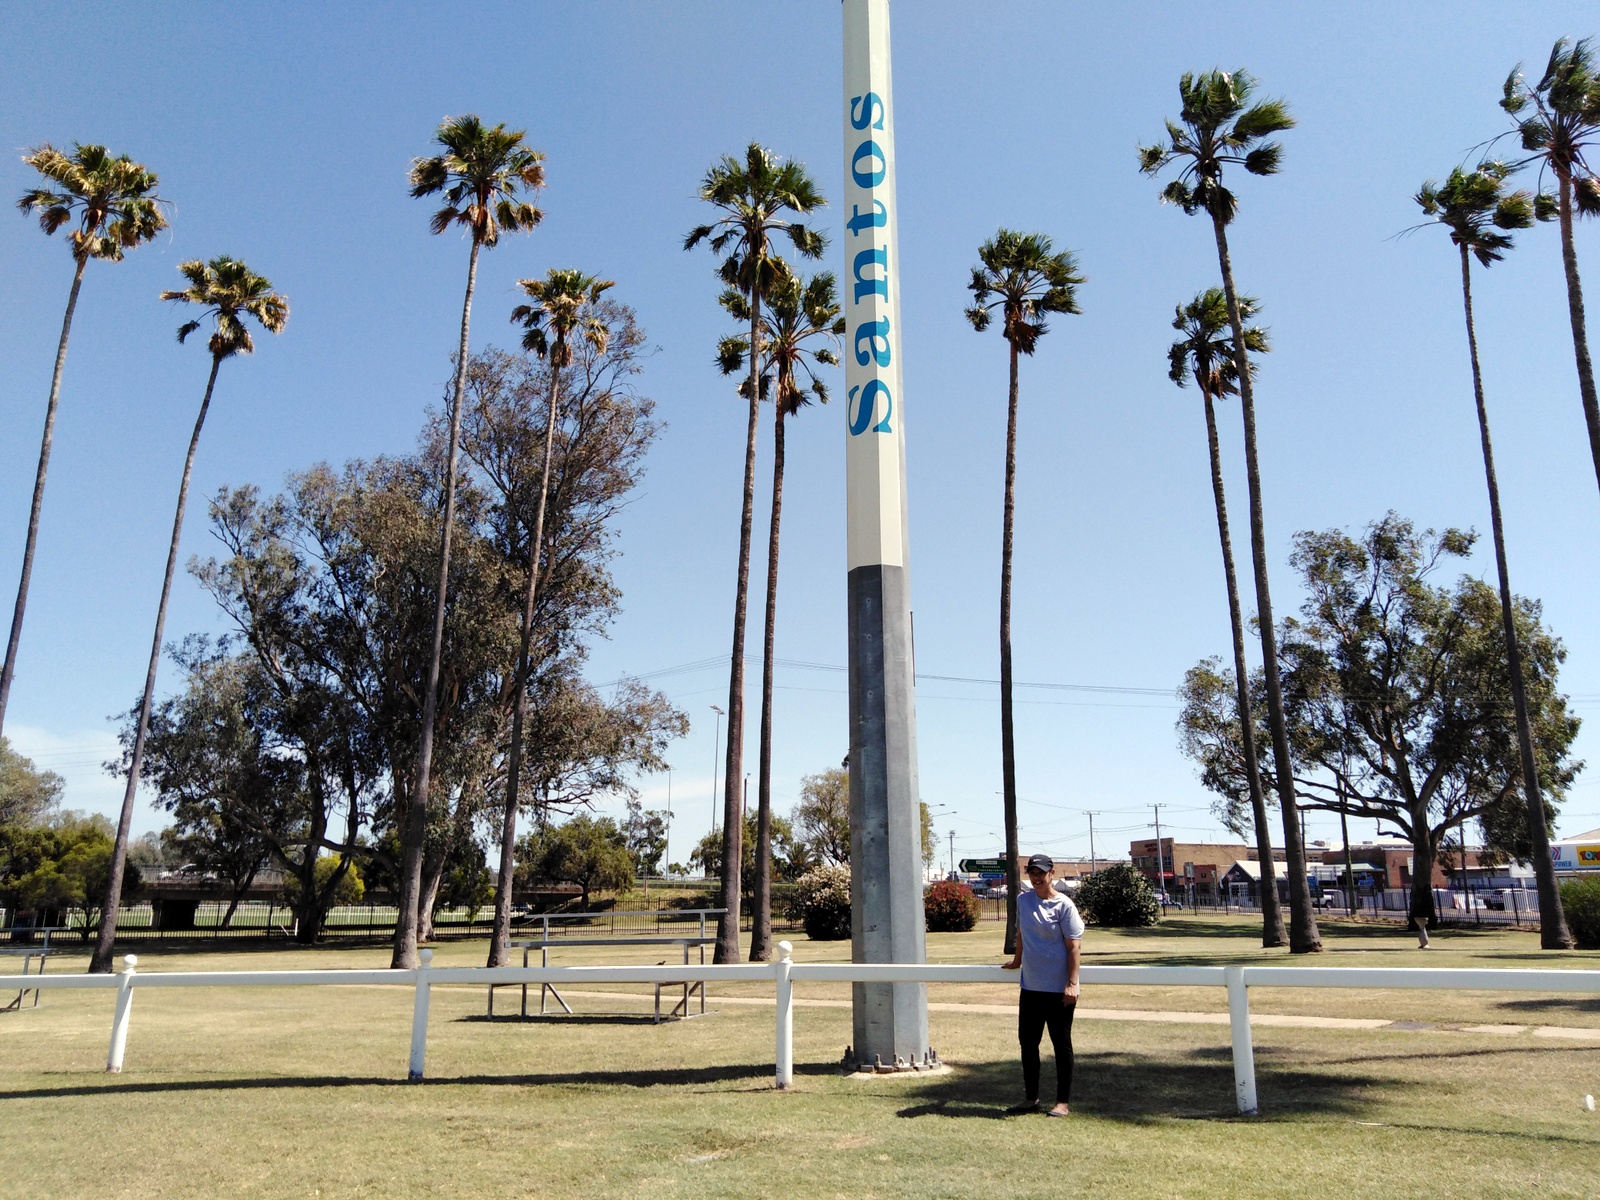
(1138, 1089)
(1557, 1004)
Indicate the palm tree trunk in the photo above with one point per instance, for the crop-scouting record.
(1272, 931)
(1553, 932)
(761, 928)
(728, 896)
(8, 672)
(405, 925)
(1580, 336)
(1303, 935)
(112, 901)
(499, 955)
(1008, 753)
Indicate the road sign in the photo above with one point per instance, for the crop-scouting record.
(983, 866)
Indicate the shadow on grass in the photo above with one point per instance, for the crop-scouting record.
(561, 1018)
(754, 1073)
(1133, 1088)
(1435, 1055)
(1556, 1004)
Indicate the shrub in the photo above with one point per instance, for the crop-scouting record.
(1581, 900)
(950, 907)
(821, 903)
(1118, 896)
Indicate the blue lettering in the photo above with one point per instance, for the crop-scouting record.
(860, 220)
(866, 406)
(862, 110)
(878, 164)
(876, 335)
(865, 261)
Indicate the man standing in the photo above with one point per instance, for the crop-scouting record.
(1049, 953)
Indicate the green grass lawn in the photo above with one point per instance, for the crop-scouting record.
(298, 1092)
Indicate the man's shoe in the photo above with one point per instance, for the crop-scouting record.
(1016, 1110)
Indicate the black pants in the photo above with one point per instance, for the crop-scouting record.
(1035, 1010)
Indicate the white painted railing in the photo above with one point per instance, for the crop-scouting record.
(785, 973)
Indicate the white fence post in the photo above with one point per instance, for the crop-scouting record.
(785, 1016)
(1244, 1051)
(419, 1020)
(119, 1021)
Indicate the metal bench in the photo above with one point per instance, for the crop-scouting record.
(28, 952)
(691, 988)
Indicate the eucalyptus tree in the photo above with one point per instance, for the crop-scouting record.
(481, 172)
(759, 199)
(563, 309)
(1218, 127)
(1478, 210)
(1205, 354)
(230, 294)
(1558, 119)
(1024, 277)
(799, 331)
(114, 208)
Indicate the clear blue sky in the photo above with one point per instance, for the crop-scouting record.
(282, 135)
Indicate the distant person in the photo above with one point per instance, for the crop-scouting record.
(1049, 953)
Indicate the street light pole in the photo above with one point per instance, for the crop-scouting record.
(952, 854)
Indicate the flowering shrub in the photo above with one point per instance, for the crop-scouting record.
(821, 902)
(950, 907)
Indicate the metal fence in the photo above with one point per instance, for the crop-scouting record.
(784, 973)
(262, 920)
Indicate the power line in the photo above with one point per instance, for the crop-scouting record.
(803, 665)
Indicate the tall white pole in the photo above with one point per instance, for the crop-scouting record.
(891, 1019)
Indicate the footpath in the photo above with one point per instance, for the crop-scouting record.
(1154, 1016)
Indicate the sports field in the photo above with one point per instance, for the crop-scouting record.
(300, 1092)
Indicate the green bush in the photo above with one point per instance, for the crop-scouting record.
(950, 907)
(1580, 898)
(821, 903)
(1118, 896)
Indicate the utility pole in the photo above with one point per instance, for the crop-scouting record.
(668, 854)
(952, 854)
(1161, 870)
(1349, 863)
(716, 741)
(1092, 867)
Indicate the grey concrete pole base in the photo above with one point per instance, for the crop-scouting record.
(887, 923)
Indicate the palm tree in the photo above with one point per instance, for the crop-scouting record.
(1024, 277)
(754, 195)
(114, 205)
(1565, 121)
(1475, 207)
(229, 292)
(799, 316)
(1219, 126)
(1205, 354)
(480, 172)
(562, 310)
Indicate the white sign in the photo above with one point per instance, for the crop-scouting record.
(874, 409)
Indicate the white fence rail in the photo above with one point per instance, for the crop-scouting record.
(785, 973)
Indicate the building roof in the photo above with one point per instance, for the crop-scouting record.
(1592, 836)
(1253, 869)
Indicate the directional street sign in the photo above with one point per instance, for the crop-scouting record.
(983, 866)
